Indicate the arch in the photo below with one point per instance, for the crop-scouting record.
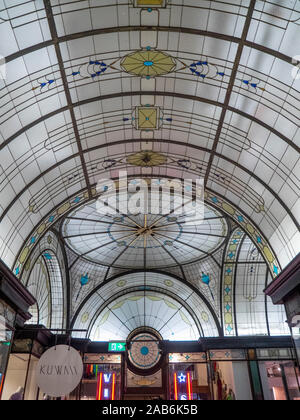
(133, 28)
(105, 292)
(151, 294)
(215, 200)
(50, 251)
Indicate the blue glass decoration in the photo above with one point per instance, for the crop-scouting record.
(84, 280)
(205, 278)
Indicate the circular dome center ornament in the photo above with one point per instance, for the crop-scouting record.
(167, 240)
(144, 352)
(148, 63)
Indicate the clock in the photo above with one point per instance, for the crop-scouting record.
(144, 352)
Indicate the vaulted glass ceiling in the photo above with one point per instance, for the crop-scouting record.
(179, 89)
(220, 81)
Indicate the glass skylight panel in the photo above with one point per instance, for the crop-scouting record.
(249, 252)
(279, 19)
(208, 17)
(250, 300)
(159, 307)
(277, 319)
(22, 24)
(130, 309)
(39, 286)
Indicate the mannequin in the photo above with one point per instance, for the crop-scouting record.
(18, 395)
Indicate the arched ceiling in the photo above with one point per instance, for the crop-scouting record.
(174, 309)
(221, 102)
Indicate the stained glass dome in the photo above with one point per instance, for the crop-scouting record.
(150, 240)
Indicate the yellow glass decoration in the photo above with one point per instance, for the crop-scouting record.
(147, 118)
(148, 63)
(150, 3)
(146, 159)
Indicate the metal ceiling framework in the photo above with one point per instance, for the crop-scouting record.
(166, 140)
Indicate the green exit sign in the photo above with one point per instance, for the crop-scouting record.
(117, 347)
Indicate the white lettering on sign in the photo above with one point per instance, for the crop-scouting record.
(107, 378)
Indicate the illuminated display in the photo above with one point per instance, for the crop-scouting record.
(181, 378)
(101, 382)
(106, 383)
(107, 377)
(182, 386)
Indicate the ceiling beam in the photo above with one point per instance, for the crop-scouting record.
(230, 88)
(174, 142)
(54, 35)
(137, 28)
(166, 94)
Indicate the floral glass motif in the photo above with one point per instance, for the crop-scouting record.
(148, 64)
(146, 159)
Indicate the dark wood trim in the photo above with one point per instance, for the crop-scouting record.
(284, 284)
(205, 344)
(15, 294)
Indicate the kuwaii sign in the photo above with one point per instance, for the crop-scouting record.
(59, 371)
(116, 347)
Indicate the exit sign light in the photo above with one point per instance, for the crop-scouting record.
(117, 347)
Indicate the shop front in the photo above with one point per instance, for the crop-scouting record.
(7, 322)
(102, 377)
(264, 374)
(15, 301)
(145, 369)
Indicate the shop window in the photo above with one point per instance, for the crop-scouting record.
(188, 377)
(101, 378)
(280, 380)
(7, 319)
(230, 380)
